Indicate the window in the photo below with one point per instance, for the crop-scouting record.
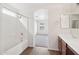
(41, 23)
(8, 12)
(41, 27)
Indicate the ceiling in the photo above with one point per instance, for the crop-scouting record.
(30, 8)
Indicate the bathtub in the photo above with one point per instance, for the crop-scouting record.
(17, 49)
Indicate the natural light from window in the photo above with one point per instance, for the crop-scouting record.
(8, 12)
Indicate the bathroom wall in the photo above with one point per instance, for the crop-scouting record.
(12, 33)
(26, 11)
(54, 26)
(54, 12)
(53, 29)
(0, 31)
(30, 31)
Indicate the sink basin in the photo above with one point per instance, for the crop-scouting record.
(75, 34)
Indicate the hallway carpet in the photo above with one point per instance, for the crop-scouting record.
(39, 51)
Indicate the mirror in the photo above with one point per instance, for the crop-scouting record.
(70, 21)
(74, 24)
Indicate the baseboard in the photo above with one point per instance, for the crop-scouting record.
(53, 49)
(42, 34)
(30, 46)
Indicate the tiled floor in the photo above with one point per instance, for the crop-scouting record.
(39, 51)
(41, 40)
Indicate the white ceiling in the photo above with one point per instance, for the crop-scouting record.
(30, 8)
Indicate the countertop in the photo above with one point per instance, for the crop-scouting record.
(71, 41)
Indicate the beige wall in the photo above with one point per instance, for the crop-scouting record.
(54, 12)
(54, 22)
(53, 29)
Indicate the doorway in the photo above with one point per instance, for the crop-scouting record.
(41, 28)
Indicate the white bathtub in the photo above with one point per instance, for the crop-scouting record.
(18, 49)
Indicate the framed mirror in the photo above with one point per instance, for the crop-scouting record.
(70, 21)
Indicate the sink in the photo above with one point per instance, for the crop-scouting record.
(75, 34)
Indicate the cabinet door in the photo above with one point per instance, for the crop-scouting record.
(63, 48)
(60, 45)
(70, 51)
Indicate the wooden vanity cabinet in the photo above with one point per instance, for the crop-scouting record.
(61, 46)
(64, 48)
(70, 51)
